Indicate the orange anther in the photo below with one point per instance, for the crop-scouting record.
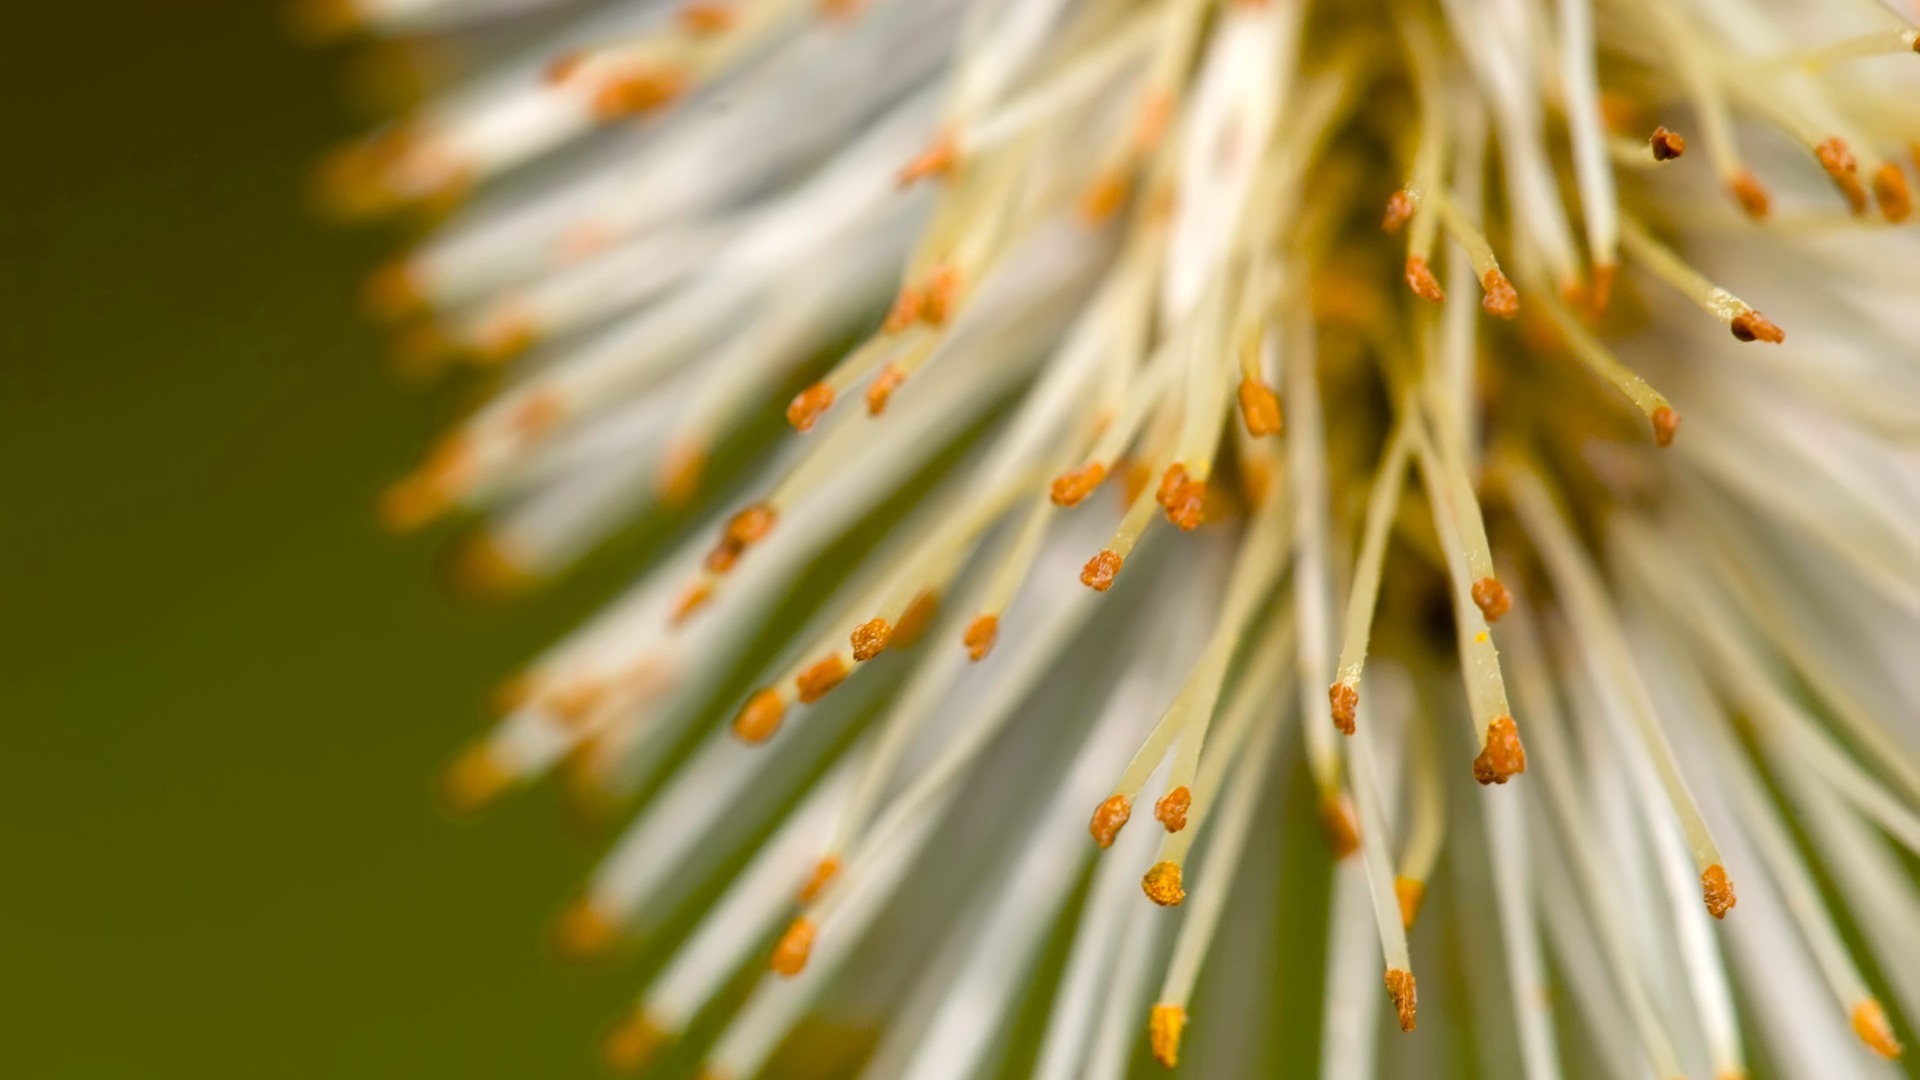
(1108, 819)
(1100, 571)
(814, 682)
(1259, 408)
(1172, 808)
(1504, 757)
(869, 639)
(808, 405)
(1421, 280)
(982, 632)
(1071, 487)
(760, 717)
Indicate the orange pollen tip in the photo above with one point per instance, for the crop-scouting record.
(940, 296)
(1667, 145)
(1870, 1023)
(808, 406)
(703, 19)
(638, 93)
(1400, 987)
(1163, 1033)
(751, 525)
(485, 568)
(565, 66)
(1184, 500)
(870, 638)
(584, 932)
(881, 389)
(982, 632)
(393, 293)
(1890, 191)
(814, 682)
(790, 955)
(1105, 196)
(1492, 598)
(1500, 299)
(1139, 474)
(936, 160)
(513, 693)
(574, 705)
(723, 555)
(1503, 758)
(1108, 818)
(1162, 884)
(904, 312)
(1400, 208)
(1343, 700)
(1069, 488)
(536, 415)
(1259, 408)
(680, 473)
(1718, 890)
(633, 1043)
(914, 621)
(1666, 423)
(760, 717)
(1421, 280)
(1339, 825)
(473, 781)
(824, 872)
(1410, 893)
(1100, 571)
(1836, 157)
(1750, 325)
(1602, 294)
(1172, 808)
(1751, 195)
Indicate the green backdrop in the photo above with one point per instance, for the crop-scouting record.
(223, 691)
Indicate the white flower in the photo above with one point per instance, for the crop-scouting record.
(1135, 246)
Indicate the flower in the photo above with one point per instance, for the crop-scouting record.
(1162, 476)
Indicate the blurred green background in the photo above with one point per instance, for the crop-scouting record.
(223, 691)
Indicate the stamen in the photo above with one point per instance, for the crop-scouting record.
(916, 620)
(1400, 987)
(790, 954)
(633, 1043)
(1421, 280)
(474, 781)
(1172, 808)
(1891, 192)
(823, 874)
(982, 632)
(1109, 818)
(1259, 407)
(1162, 884)
(760, 717)
(1164, 1024)
(1338, 825)
(1100, 571)
(585, 932)
(814, 682)
(1741, 319)
(869, 639)
(1870, 1024)
(1837, 159)
(808, 406)
(1411, 894)
(1363, 596)
(1503, 757)
(1750, 194)
(1070, 488)
(1667, 145)
(1717, 890)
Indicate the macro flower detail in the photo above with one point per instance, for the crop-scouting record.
(1225, 431)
